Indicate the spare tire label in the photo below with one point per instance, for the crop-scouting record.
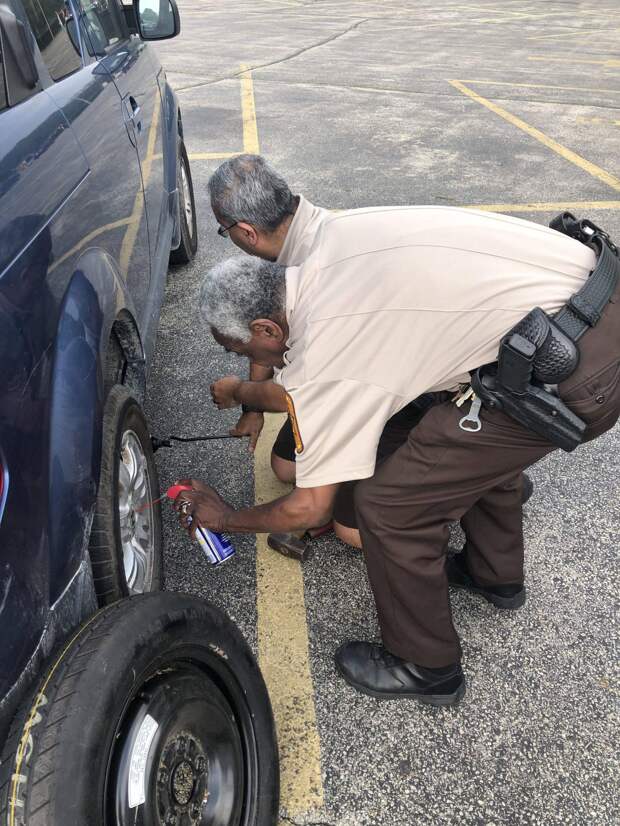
(136, 791)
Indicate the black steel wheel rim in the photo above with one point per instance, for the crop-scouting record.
(184, 751)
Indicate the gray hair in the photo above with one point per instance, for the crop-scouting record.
(239, 290)
(246, 188)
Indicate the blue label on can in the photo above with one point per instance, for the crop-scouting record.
(217, 548)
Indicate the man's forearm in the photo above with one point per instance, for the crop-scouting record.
(285, 514)
(262, 395)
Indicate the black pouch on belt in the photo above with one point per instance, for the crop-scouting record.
(533, 357)
(540, 352)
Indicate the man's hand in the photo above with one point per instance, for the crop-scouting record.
(223, 390)
(203, 505)
(249, 424)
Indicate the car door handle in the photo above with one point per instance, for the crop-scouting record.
(135, 108)
(133, 111)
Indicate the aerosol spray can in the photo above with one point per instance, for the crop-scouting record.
(216, 547)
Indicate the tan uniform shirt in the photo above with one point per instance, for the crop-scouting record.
(396, 301)
(301, 233)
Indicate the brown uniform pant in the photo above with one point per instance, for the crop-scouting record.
(443, 474)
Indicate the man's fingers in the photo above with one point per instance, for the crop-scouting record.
(253, 440)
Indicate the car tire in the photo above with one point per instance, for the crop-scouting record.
(155, 713)
(187, 210)
(126, 545)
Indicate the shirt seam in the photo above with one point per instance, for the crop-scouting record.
(415, 310)
(434, 246)
(351, 381)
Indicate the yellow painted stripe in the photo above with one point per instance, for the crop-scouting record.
(557, 206)
(90, 237)
(558, 148)
(212, 156)
(248, 112)
(283, 648)
(611, 63)
(539, 86)
(575, 33)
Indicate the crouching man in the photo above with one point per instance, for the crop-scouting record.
(393, 303)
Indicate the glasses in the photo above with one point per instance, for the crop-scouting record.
(223, 231)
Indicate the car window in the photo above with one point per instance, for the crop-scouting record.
(54, 27)
(104, 25)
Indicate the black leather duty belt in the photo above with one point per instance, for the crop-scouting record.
(583, 310)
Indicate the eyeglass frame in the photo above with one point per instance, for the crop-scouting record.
(222, 231)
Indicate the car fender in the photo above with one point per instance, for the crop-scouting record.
(94, 304)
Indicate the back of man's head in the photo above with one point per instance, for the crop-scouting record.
(246, 188)
(240, 290)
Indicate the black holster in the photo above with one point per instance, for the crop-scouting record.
(537, 408)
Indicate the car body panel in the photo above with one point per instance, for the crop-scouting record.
(82, 253)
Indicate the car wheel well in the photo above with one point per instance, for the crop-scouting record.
(125, 363)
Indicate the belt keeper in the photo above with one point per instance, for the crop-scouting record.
(583, 310)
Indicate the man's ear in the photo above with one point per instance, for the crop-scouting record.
(249, 232)
(265, 328)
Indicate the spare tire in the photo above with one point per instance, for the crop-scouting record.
(155, 713)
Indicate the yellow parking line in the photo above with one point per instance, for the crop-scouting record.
(610, 63)
(123, 222)
(575, 33)
(557, 206)
(538, 86)
(248, 111)
(558, 148)
(283, 648)
(211, 156)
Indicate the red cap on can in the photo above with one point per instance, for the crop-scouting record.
(174, 491)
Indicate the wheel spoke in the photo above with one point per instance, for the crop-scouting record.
(141, 565)
(124, 477)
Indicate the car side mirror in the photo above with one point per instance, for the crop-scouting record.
(157, 19)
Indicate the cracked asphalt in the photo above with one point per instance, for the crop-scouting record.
(354, 107)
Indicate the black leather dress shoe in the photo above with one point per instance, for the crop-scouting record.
(502, 596)
(371, 669)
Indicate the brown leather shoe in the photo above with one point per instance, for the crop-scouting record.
(289, 544)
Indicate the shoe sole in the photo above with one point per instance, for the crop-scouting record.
(429, 699)
(505, 603)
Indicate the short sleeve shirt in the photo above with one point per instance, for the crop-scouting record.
(393, 302)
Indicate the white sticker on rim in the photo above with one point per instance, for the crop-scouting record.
(136, 787)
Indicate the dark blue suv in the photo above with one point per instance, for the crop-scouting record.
(150, 710)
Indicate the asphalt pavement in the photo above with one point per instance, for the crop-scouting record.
(512, 106)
